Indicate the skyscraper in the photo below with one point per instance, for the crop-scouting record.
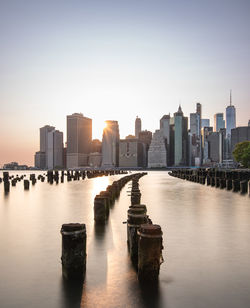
(195, 140)
(157, 153)
(219, 122)
(205, 123)
(165, 127)
(145, 138)
(137, 126)
(180, 138)
(110, 145)
(55, 149)
(79, 137)
(44, 141)
(230, 117)
(195, 124)
(198, 111)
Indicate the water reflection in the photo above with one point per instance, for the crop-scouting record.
(71, 292)
(151, 295)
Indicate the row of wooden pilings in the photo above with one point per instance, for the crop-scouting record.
(104, 200)
(54, 176)
(235, 180)
(144, 238)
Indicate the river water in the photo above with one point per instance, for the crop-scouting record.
(206, 238)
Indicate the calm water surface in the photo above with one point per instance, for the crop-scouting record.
(206, 234)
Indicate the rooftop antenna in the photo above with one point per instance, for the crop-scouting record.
(230, 97)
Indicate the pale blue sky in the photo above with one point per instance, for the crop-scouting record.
(115, 60)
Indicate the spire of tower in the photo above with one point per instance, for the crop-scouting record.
(230, 97)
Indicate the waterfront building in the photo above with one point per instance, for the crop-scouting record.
(239, 134)
(157, 153)
(180, 138)
(145, 138)
(248, 122)
(110, 145)
(219, 122)
(217, 146)
(130, 153)
(15, 166)
(79, 137)
(205, 123)
(213, 147)
(41, 157)
(55, 149)
(95, 159)
(205, 131)
(40, 160)
(44, 144)
(137, 127)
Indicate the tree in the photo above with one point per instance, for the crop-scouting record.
(241, 153)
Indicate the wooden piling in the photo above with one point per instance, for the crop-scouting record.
(149, 252)
(73, 250)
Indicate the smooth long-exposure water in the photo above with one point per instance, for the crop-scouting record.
(206, 238)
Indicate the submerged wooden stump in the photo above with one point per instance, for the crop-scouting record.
(149, 252)
(73, 250)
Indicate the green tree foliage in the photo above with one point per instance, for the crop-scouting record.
(241, 153)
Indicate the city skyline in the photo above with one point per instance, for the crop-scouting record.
(113, 61)
(129, 133)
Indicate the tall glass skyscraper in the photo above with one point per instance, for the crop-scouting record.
(219, 122)
(180, 138)
(230, 117)
(110, 145)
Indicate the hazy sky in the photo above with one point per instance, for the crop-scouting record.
(113, 60)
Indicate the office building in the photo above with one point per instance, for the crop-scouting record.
(205, 123)
(137, 126)
(239, 134)
(219, 122)
(79, 137)
(130, 153)
(157, 153)
(96, 146)
(110, 145)
(180, 138)
(145, 138)
(55, 149)
(44, 144)
(230, 117)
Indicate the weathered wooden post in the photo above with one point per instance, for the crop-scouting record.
(243, 186)
(222, 183)
(26, 184)
(135, 220)
(236, 185)
(73, 250)
(6, 182)
(149, 252)
(229, 184)
(100, 209)
(135, 198)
